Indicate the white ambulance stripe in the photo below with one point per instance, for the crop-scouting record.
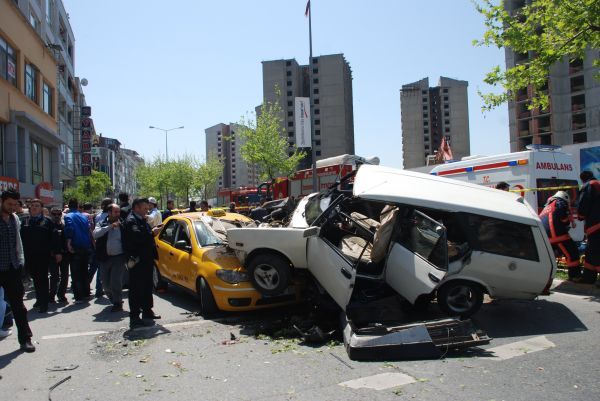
(381, 381)
(508, 351)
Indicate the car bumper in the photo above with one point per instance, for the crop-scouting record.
(238, 298)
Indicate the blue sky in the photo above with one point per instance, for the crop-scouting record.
(198, 63)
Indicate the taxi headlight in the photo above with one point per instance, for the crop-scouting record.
(232, 276)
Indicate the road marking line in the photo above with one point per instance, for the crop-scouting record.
(69, 335)
(99, 332)
(508, 351)
(381, 381)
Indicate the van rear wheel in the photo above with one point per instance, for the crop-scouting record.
(460, 298)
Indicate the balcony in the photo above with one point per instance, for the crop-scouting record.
(577, 84)
(524, 114)
(576, 126)
(578, 103)
(524, 132)
(578, 121)
(575, 66)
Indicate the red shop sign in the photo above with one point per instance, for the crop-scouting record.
(43, 191)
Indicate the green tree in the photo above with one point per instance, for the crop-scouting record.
(266, 143)
(553, 30)
(207, 176)
(90, 188)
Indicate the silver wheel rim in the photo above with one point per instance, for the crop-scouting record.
(266, 276)
(461, 299)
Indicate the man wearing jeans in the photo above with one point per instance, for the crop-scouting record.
(109, 252)
(11, 262)
(79, 245)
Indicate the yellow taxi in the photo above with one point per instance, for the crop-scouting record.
(192, 254)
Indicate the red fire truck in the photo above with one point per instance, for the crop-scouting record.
(298, 185)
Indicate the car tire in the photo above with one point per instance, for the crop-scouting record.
(157, 279)
(270, 274)
(208, 306)
(460, 298)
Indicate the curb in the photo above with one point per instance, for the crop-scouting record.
(570, 287)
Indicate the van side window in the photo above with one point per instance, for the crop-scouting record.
(501, 237)
(425, 237)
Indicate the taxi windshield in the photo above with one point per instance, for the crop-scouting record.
(205, 235)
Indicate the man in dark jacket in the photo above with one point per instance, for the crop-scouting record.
(588, 209)
(124, 205)
(140, 248)
(59, 271)
(40, 244)
(110, 254)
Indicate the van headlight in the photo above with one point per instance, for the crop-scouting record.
(232, 276)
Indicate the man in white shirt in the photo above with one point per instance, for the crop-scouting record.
(154, 217)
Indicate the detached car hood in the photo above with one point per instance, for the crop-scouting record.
(424, 190)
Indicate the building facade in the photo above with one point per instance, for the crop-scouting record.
(127, 162)
(221, 141)
(331, 87)
(429, 114)
(574, 112)
(29, 133)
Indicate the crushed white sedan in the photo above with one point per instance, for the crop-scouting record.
(419, 235)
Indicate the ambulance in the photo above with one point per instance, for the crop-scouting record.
(535, 174)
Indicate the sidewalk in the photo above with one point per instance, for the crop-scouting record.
(569, 287)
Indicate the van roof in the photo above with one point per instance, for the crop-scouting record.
(408, 187)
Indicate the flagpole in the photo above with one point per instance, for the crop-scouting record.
(312, 103)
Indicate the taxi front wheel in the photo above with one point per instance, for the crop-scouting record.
(208, 305)
(270, 273)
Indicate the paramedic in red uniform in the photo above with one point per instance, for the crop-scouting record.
(556, 218)
(588, 209)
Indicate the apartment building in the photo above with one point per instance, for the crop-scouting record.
(331, 90)
(574, 112)
(29, 126)
(221, 140)
(428, 114)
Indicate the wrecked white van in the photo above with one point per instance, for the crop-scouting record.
(421, 236)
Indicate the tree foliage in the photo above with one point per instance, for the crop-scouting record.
(90, 188)
(552, 30)
(266, 143)
(182, 179)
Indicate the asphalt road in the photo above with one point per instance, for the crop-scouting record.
(545, 349)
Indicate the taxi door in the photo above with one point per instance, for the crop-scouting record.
(183, 266)
(164, 245)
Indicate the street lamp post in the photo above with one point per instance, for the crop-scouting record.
(166, 131)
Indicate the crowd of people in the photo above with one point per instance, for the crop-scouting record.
(47, 246)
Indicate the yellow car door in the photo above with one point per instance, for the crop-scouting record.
(165, 245)
(184, 267)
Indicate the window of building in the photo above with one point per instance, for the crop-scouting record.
(580, 137)
(317, 111)
(447, 122)
(445, 90)
(31, 75)
(424, 100)
(37, 163)
(289, 93)
(290, 123)
(446, 107)
(425, 115)
(317, 122)
(426, 123)
(424, 107)
(315, 60)
(290, 113)
(426, 131)
(288, 73)
(316, 91)
(47, 99)
(446, 114)
(445, 98)
(8, 62)
(316, 101)
(317, 132)
(318, 142)
(318, 152)
(34, 21)
(423, 92)
(289, 83)
(290, 103)
(291, 143)
(447, 129)
(49, 8)
(290, 134)
(288, 63)
(316, 81)
(315, 70)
